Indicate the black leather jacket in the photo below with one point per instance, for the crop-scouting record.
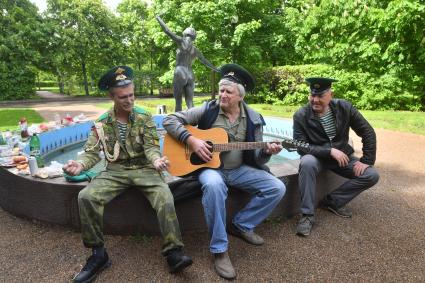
(308, 128)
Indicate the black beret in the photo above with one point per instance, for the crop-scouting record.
(319, 86)
(117, 76)
(237, 74)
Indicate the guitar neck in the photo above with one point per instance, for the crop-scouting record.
(238, 146)
(287, 143)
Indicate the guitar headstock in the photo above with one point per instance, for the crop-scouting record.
(288, 143)
(292, 145)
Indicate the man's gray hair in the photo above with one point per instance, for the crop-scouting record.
(240, 87)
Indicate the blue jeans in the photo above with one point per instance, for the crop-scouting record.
(266, 191)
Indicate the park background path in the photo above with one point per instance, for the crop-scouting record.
(383, 242)
(49, 104)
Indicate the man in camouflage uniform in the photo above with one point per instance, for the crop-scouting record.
(127, 135)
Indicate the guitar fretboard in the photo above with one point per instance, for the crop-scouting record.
(238, 146)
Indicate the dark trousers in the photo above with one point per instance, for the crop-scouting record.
(310, 167)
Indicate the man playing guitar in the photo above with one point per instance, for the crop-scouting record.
(244, 170)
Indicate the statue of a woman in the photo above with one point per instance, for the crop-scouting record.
(184, 80)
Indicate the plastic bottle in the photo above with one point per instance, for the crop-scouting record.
(2, 140)
(58, 121)
(35, 150)
(7, 138)
(24, 128)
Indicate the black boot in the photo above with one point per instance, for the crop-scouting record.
(177, 261)
(94, 265)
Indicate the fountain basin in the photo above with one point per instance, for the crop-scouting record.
(55, 200)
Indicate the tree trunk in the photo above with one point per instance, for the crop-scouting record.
(60, 82)
(38, 80)
(212, 85)
(139, 87)
(86, 85)
(91, 82)
(151, 72)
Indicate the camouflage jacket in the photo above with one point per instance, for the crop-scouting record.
(141, 145)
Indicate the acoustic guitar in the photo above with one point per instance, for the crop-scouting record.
(183, 161)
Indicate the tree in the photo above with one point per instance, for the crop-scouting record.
(133, 24)
(19, 45)
(251, 33)
(385, 38)
(87, 33)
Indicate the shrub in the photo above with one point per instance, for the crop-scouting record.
(285, 86)
(17, 81)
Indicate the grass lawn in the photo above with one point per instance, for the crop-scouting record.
(403, 121)
(9, 118)
(54, 89)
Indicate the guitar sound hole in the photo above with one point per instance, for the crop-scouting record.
(195, 159)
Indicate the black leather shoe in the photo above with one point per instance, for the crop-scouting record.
(177, 261)
(94, 265)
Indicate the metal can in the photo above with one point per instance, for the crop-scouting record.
(32, 163)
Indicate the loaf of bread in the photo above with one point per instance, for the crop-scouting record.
(19, 159)
(22, 166)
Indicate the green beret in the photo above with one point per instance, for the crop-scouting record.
(117, 76)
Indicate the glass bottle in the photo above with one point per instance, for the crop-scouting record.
(35, 150)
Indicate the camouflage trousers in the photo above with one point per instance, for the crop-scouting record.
(111, 183)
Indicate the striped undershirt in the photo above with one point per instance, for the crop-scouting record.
(328, 123)
(122, 128)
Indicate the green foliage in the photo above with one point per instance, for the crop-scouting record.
(285, 86)
(19, 32)
(375, 47)
(47, 84)
(134, 27)
(251, 33)
(383, 38)
(16, 81)
(84, 38)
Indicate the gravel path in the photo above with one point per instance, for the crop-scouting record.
(383, 242)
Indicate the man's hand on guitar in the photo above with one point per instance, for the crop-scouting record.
(273, 148)
(200, 147)
(161, 163)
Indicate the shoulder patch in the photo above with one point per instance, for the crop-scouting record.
(102, 117)
(140, 110)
